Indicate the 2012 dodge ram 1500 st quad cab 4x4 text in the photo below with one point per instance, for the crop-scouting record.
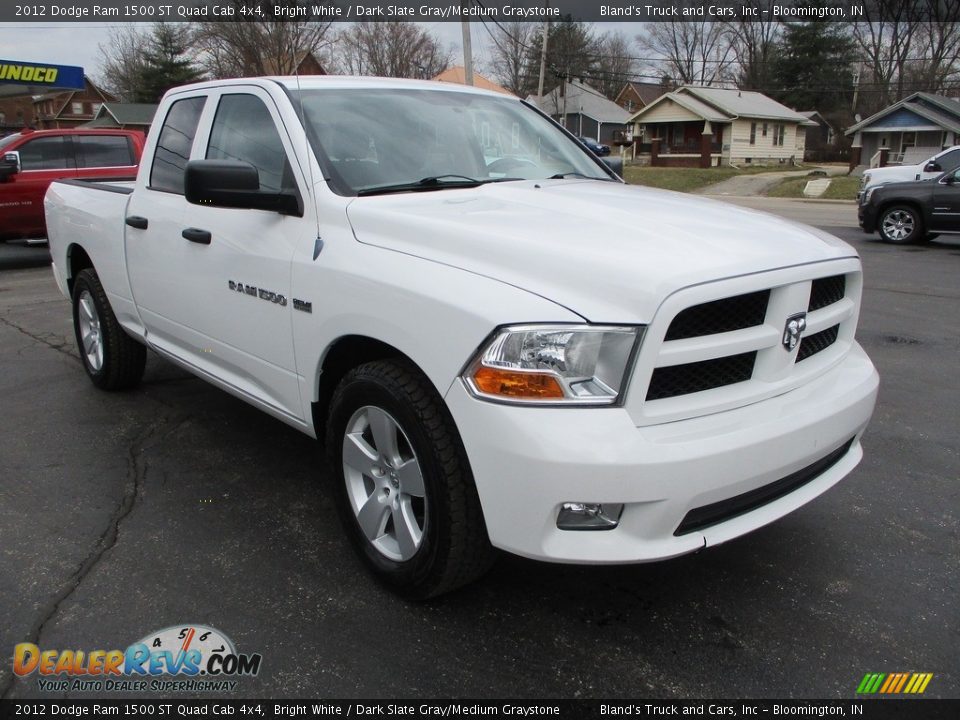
(501, 343)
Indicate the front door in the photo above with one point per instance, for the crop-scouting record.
(223, 304)
(945, 214)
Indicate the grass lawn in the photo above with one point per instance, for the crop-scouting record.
(841, 188)
(689, 179)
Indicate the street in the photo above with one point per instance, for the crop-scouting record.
(125, 513)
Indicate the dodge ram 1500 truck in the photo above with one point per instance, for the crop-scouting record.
(501, 344)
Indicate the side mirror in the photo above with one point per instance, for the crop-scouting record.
(950, 179)
(9, 164)
(235, 184)
(614, 163)
(932, 167)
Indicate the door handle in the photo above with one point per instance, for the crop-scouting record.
(197, 235)
(135, 221)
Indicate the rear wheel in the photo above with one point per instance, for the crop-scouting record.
(900, 224)
(113, 360)
(404, 488)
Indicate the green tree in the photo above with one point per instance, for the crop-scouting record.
(813, 69)
(166, 63)
(572, 52)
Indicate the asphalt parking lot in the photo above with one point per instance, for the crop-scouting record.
(121, 514)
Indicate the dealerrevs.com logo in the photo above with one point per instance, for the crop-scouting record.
(180, 658)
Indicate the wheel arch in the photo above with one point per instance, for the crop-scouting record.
(342, 355)
(77, 260)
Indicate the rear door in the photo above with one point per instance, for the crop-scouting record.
(42, 160)
(105, 156)
(225, 305)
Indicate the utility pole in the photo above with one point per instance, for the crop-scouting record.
(543, 56)
(467, 48)
(856, 88)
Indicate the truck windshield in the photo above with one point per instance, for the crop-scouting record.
(9, 140)
(388, 140)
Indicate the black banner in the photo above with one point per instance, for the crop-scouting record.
(120, 11)
(872, 709)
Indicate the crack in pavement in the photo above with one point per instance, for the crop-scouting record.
(62, 347)
(134, 488)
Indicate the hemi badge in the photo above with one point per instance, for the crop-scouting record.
(302, 305)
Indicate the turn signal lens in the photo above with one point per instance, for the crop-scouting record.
(520, 385)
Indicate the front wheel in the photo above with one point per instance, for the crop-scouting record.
(404, 488)
(901, 225)
(113, 360)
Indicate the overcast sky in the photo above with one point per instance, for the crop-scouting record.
(77, 43)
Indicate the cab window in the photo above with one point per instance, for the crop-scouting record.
(174, 143)
(46, 153)
(244, 130)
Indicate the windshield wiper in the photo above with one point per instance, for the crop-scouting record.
(561, 176)
(433, 182)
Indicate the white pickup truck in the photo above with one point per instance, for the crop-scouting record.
(946, 161)
(501, 344)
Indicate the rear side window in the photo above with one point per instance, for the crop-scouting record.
(96, 151)
(46, 153)
(243, 130)
(173, 146)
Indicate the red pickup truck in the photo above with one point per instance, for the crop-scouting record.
(30, 160)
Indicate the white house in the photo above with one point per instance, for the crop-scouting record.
(706, 126)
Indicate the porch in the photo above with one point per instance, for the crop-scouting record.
(695, 143)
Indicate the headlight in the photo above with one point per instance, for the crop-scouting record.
(867, 195)
(554, 364)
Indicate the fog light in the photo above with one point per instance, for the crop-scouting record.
(589, 516)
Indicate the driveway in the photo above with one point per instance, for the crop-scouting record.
(747, 185)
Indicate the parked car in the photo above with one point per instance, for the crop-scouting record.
(910, 212)
(929, 169)
(501, 344)
(31, 159)
(595, 146)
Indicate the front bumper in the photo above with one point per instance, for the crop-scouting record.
(528, 461)
(867, 218)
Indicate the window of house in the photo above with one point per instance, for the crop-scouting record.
(781, 130)
(46, 153)
(76, 108)
(96, 107)
(95, 151)
(765, 129)
(244, 130)
(173, 147)
(3, 118)
(753, 133)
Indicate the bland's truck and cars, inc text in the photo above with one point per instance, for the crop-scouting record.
(501, 344)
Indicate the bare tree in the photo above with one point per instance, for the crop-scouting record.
(754, 45)
(509, 51)
(616, 64)
(936, 67)
(390, 49)
(693, 52)
(273, 45)
(886, 38)
(124, 59)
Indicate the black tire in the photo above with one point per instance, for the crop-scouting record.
(900, 225)
(123, 358)
(453, 547)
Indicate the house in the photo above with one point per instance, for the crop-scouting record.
(636, 95)
(458, 75)
(584, 111)
(820, 139)
(697, 126)
(906, 132)
(69, 109)
(128, 116)
(305, 63)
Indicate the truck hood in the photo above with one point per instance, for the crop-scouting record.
(608, 252)
(893, 173)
